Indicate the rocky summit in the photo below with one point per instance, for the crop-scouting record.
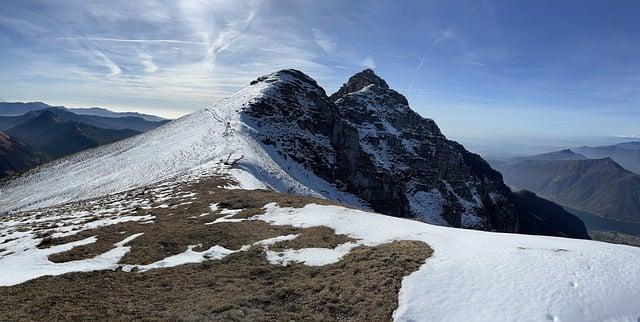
(367, 141)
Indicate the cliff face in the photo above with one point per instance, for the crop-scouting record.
(366, 140)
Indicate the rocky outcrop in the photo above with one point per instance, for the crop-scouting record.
(409, 156)
(366, 140)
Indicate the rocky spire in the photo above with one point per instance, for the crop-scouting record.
(358, 82)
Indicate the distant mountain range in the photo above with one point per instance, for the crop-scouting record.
(65, 115)
(44, 133)
(19, 108)
(552, 156)
(599, 186)
(626, 154)
(57, 137)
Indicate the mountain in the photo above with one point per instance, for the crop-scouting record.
(57, 137)
(64, 115)
(551, 156)
(367, 141)
(260, 208)
(364, 146)
(629, 145)
(19, 108)
(599, 186)
(625, 154)
(200, 248)
(52, 132)
(15, 156)
(97, 111)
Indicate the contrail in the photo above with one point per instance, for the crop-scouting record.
(445, 34)
(169, 41)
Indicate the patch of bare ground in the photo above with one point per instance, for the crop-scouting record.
(176, 228)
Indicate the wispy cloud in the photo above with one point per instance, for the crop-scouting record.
(323, 40)
(188, 50)
(147, 61)
(627, 136)
(137, 41)
(105, 61)
(469, 58)
(444, 35)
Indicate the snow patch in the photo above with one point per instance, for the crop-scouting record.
(188, 257)
(310, 256)
(29, 262)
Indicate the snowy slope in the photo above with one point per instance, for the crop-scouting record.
(193, 144)
(483, 276)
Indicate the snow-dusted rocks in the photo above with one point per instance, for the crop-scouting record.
(366, 140)
(204, 142)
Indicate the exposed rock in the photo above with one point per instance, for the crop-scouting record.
(366, 140)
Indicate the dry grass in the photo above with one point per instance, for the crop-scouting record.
(363, 286)
(174, 229)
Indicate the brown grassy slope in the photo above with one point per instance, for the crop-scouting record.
(243, 286)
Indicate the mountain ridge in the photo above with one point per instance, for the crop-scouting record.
(56, 137)
(282, 132)
(20, 108)
(119, 123)
(626, 154)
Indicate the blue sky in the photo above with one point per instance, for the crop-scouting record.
(480, 68)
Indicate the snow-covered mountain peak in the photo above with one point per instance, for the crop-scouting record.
(367, 148)
(359, 81)
(221, 139)
(287, 86)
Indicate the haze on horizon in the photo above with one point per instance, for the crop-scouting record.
(504, 70)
